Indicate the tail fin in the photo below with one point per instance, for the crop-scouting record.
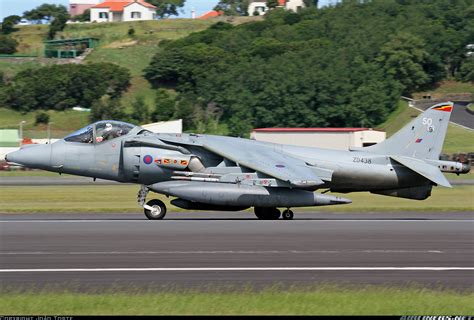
(422, 138)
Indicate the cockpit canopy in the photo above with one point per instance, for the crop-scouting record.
(100, 131)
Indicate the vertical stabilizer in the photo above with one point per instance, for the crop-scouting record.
(422, 138)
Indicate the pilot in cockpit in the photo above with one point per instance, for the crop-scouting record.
(104, 131)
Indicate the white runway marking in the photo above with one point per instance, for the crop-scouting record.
(242, 269)
(225, 252)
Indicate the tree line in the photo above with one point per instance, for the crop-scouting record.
(342, 65)
(61, 87)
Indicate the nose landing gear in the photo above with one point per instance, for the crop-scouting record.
(154, 209)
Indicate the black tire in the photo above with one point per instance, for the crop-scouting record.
(287, 214)
(160, 210)
(267, 213)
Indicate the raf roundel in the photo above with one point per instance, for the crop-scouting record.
(147, 159)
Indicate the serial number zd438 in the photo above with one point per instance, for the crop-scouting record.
(361, 160)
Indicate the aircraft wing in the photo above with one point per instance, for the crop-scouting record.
(263, 158)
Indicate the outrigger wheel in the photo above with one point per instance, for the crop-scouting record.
(287, 214)
(158, 210)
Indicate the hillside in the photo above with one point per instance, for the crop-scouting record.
(116, 46)
(135, 54)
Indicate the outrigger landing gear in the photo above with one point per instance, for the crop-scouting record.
(154, 209)
(287, 214)
(267, 213)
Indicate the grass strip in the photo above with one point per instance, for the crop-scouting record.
(325, 300)
(122, 199)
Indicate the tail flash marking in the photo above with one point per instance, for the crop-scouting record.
(446, 108)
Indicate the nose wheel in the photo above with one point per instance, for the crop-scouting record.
(155, 209)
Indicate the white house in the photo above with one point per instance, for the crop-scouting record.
(260, 6)
(125, 10)
(330, 138)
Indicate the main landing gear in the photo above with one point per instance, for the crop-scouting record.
(272, 213)
(154, 209)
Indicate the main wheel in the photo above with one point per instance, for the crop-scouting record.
(267, 213)
(287, 214)
(158, 212)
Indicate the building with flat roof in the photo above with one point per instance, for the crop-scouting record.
(329, 138)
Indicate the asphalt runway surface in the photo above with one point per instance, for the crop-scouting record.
(208, 250)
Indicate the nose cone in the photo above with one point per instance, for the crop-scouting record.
(32, 156)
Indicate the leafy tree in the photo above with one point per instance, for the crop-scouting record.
(60, 87)
(108, 108)
(45, 12)
(83, 17)
(310, 3)
(165, 106)
(466, 73)
(8, 24)
(403, 57)
(344, 65)
(58, 24)
(166, 8)
(272, 4)
(140, 112)
(41, 118)
(7, 44)
(131, 32)
(233, 7)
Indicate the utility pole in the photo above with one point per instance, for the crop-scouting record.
(21, 131)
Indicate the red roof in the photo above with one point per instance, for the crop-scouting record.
(118, 6)
(311, 129)
(281, 3)
(211, 14)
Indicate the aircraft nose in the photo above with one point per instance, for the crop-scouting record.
(32, 156)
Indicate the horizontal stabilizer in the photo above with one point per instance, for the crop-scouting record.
(424, 169)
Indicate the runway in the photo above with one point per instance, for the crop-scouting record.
(202, 250)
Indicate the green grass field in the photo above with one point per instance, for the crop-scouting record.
(61, 122)
(122, 199)
(325, 300)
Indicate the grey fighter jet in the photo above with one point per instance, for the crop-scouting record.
(206, 172)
